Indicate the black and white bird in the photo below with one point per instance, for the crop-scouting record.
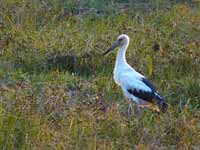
(134, 85)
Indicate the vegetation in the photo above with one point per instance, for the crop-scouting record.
(56, 88)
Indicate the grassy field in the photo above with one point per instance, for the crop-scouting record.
(56, 88)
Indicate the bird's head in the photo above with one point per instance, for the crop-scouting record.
(122, 40)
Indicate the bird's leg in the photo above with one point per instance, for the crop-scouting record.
(129, 110)
(138, 110)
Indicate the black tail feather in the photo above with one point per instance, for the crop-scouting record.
(161, 103)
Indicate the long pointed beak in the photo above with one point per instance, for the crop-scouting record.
(112, 48)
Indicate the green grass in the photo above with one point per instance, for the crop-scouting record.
(53, 75)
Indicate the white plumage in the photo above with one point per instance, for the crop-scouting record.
(134, 85)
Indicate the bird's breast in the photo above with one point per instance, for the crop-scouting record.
(116, 78)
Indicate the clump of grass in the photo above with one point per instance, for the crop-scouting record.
(57, 90)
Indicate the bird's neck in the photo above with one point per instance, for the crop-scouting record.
(121, 56)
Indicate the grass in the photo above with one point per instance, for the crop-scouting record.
(53, 76)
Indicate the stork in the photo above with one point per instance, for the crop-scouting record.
(134, 85)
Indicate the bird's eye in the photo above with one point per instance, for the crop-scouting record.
(120, 39)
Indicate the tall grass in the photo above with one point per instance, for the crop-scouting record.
(56, 88)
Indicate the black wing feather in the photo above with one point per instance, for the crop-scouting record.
(149, 95)
(144, 95)
(149, 84)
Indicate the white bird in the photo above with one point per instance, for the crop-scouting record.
(134, 85)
